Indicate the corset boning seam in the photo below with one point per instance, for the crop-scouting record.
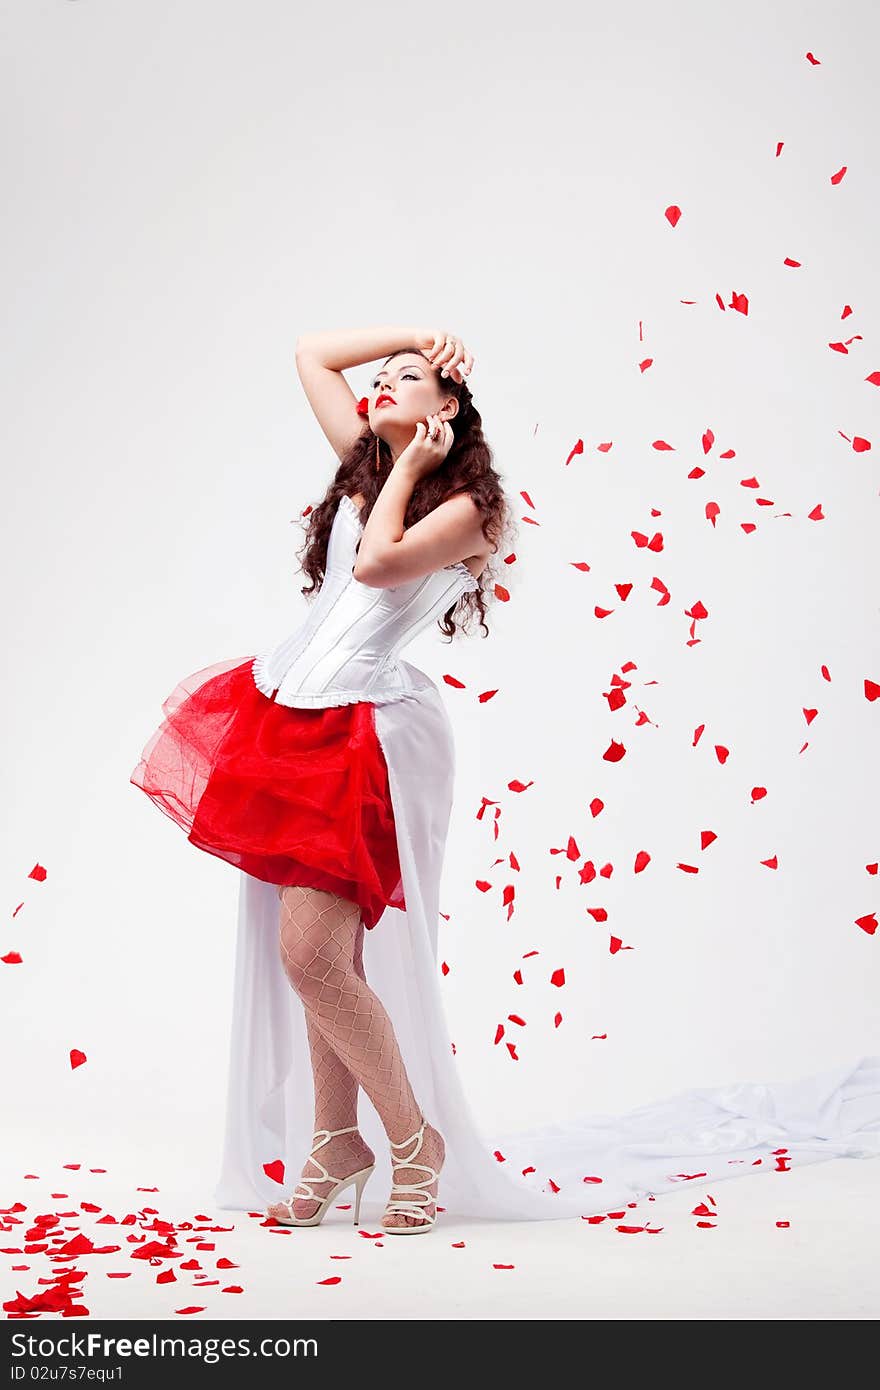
(358, 617)
(393, 617)
(398, 612)
(292, 649)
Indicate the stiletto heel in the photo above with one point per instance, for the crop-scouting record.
(359, 1179)
(360, 1183)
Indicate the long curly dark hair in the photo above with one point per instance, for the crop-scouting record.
(467, 468)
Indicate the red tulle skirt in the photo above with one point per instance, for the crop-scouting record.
(287, 795)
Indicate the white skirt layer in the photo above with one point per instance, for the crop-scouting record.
(718, 1132)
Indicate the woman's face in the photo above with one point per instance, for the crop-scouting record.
(412, 392)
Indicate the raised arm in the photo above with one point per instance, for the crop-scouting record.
(321, 358)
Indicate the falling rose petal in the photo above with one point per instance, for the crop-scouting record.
(233, 1288)
(722, 753)
(499, 1033)
(76, 1057)
(860, 445)
(11, 958)
(771, 863)
(557, 1019)
(642, 861)
(672, 214)
(706, 838)
(577, 448)
(868, 924)
(497, 1266)
(456, 684)
(486, 695)
(558, 977)
(708, 440)
(816, 514)
(184, 1311)
(38, 873)
(758, 794)
(444, 968)
(713, 511)
(788, 261)
(645, 364)
(604, 448)
(740, 303)
(662, 444)
(872, 869)
(810, 715)
(519, 786)
(580, 565)
(873, 379)
(275, 1170)
(872, 690)
(597, 1037)
(811, 59)
(511, 1047)
(614, 752)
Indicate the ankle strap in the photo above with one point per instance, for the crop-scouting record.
(331, 1133)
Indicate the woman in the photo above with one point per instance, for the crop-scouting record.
(275, 763)
(323, 769)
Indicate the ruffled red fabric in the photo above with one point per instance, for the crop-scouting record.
(288, 795)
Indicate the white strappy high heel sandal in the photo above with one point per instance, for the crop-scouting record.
(411, 1206)
(359, 1179)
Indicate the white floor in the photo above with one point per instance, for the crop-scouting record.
(823, 1264)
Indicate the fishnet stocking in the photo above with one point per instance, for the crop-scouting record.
(352, 1042)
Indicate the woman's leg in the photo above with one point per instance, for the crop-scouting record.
(336, 1097)
(321, 940)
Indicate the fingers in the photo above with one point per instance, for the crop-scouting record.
(451, 356)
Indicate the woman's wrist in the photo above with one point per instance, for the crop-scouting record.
(339, 348)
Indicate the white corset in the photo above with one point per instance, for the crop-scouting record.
(347, 648)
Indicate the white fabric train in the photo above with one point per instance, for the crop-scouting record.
(714, 1132)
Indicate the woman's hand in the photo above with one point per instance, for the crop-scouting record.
(425, 453)
(444, 350)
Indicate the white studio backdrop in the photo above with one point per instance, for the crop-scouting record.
(189, 187)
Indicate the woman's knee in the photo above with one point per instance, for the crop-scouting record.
(313, 950)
